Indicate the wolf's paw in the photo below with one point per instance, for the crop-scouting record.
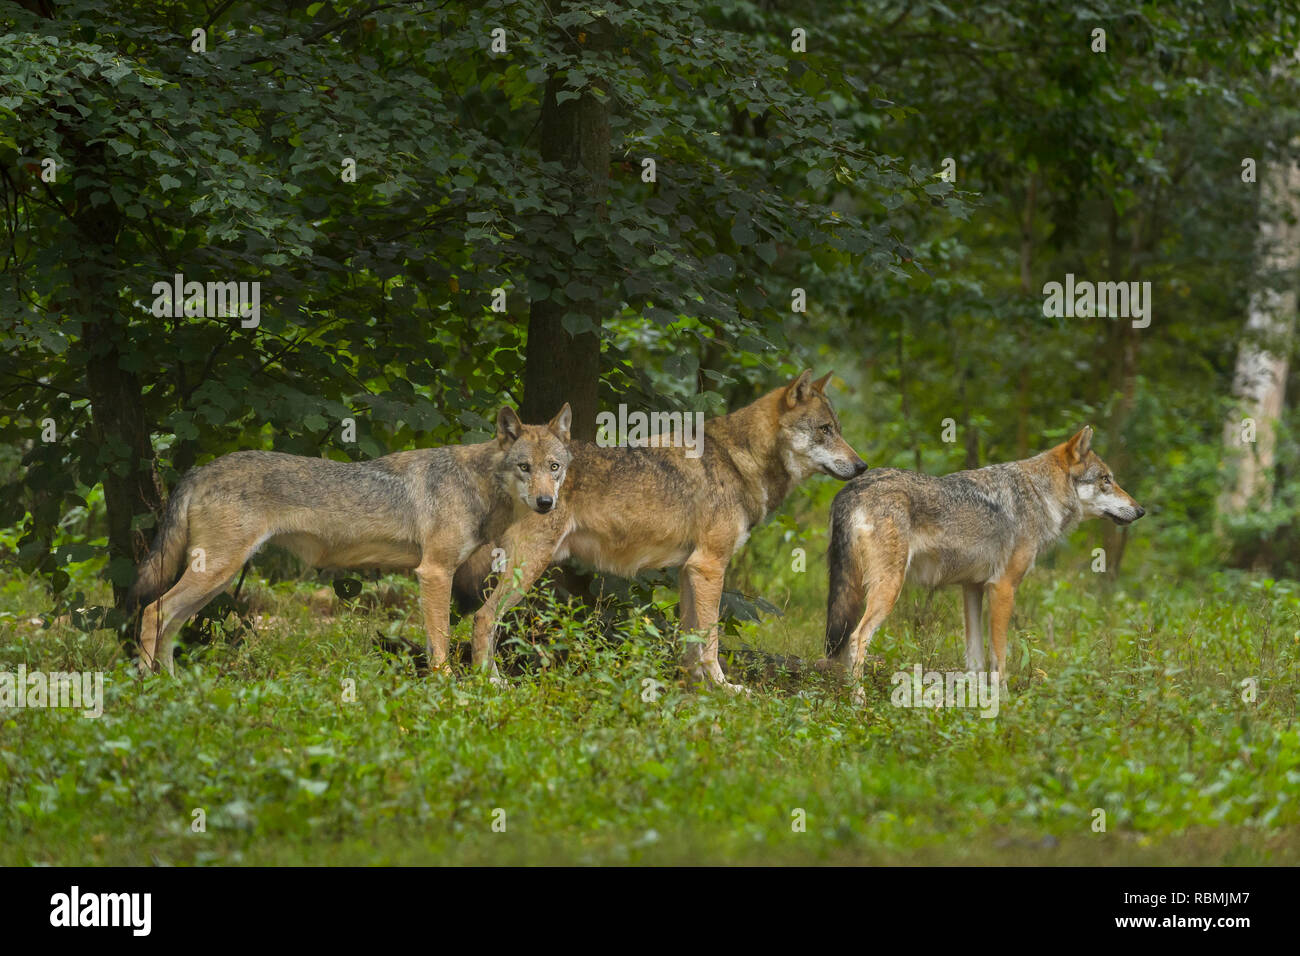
(715, 677)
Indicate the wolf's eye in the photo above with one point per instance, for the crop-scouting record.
(523, 466)
(555, 466)
(826, 429)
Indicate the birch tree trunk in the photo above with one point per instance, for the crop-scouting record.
(1260, 380)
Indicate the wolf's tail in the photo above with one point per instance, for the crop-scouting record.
(158, 570)
(848, 590)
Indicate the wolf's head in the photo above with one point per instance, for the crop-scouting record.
(1100, 496)
(536, 457)
(809, 437)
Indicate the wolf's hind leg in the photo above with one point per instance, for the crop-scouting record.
(882, 593)
(214, 560)
(972, 605)
(164, 617)
(884, 555)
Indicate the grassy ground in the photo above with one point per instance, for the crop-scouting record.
(306, 744)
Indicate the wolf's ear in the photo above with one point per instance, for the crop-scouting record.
(509, 427)
(820, 385)
(559, 425)
(1077, 447)
(798, 390)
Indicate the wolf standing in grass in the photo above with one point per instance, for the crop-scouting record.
(981, 529)
(425, 510)
(631, 509)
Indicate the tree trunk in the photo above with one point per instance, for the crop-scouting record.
(118, 419)
(117, 410)
(1122, 355)
(1024, 391)
(1260, 381)
(970, 434)
(119, 423)
(902, 395)
(560, 367)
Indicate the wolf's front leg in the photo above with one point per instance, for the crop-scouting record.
(529, 546)
(701, 596)
(1001, 601)
(434, 576)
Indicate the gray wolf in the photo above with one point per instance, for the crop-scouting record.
(981, 529)
(631, 509)
(425, 510)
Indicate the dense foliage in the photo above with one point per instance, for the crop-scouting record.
(919, 171)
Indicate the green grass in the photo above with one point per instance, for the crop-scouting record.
(1127, 702)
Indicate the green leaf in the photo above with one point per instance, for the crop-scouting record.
(575, 323)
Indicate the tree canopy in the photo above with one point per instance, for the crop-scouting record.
(448, 206)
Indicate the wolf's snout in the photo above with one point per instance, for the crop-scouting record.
(545, 503)
(1126, 516)
(846, 469)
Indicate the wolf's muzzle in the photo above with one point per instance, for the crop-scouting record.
(545, 503)
(856, 467)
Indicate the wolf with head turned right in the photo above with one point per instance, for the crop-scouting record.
(981, 529)
(628, 509)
